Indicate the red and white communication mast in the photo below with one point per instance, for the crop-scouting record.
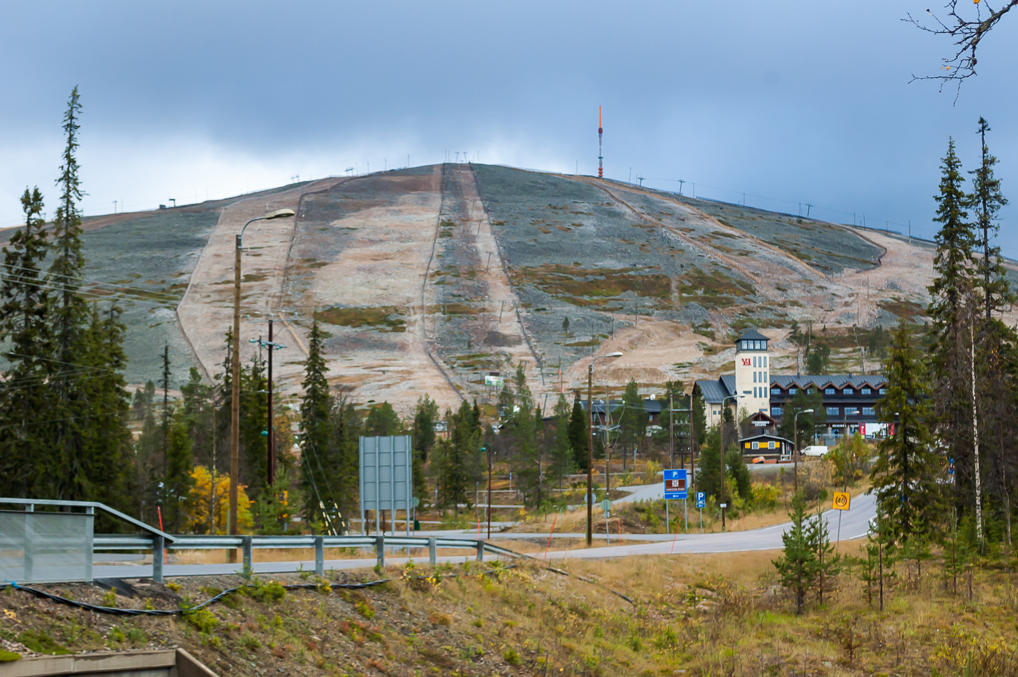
(600, 150)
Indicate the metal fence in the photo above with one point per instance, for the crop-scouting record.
(40, 552)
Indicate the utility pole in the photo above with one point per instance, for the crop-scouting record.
(488, 453)
(681, 181)
(692, 442)
(671, 431)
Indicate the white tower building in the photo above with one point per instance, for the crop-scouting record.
(752, 372)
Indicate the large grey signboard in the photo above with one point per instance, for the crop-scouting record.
(386, 481)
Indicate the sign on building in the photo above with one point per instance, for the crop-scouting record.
(386, 476)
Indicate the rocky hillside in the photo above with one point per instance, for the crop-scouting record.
(428, 278)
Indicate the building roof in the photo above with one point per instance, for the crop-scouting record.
(651, 406)
(714, 391)
(753, 335)
(824, 380)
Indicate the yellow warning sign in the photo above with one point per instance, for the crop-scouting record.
(842, 499)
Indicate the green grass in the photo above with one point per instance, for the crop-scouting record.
(384, 318)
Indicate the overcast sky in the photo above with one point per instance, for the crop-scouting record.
(778, 103)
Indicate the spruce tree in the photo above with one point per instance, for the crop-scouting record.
(708, 478)
(560, 460)
(579, 430)
(827, 562)
(952, 311)
(423, 441)
(342, 477)
(522, 429)
(798, 564)
(69, 321)
(906, 473)
(316, 427)
(633, 423)
(986, 201)
(177, 478)
(383, 421)
(254, 447)
(24, 395)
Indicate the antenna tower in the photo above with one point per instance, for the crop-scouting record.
(600, 150)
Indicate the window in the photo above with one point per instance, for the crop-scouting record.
(776, 411)
(829, 391)
(775, 391)
(883, 391)
(792, 391)
(833, 411)
(847, 391)
(866, 391)
(756, 445)
(765, 360)
(868, 411)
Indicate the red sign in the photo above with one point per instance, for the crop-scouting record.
(675, 484)
(745, 362)
(862, 429)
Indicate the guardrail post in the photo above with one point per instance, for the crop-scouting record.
(480, 551)
(319, 555)
(432, 551)
(380, 550)
(246, 545)
(158, 554)
(89, 542)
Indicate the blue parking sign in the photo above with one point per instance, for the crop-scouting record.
(701, 500)
(675, 484)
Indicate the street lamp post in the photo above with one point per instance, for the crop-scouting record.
(795, 430)
(235, 365)
(487, 452)
(590, 444)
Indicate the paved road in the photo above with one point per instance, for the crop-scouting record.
(854, 524)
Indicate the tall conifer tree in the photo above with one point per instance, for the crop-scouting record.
(70, 318)
(24, 306)
(985, 201)
(906, 473)
(952, 311)
(315, 424)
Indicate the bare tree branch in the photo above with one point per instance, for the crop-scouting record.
(967, 28)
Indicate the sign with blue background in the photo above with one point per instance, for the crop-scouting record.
(701, 500)
(675, 484)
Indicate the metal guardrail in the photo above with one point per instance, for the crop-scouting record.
(248, 544)
(159, 542)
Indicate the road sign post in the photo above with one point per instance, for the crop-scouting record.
(842, 501)
(606, 506)
(675, 489)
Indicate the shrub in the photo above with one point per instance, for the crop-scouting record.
(512, 656)
(202, 619)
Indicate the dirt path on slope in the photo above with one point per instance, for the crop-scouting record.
(205, 312)
(388, 231)
(502, 316)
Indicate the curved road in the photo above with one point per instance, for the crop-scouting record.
(854, 524)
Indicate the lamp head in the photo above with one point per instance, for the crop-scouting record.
(279, 214)
(806, 411)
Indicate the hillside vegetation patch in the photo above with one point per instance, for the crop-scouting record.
(383, 318)
(591, 286)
